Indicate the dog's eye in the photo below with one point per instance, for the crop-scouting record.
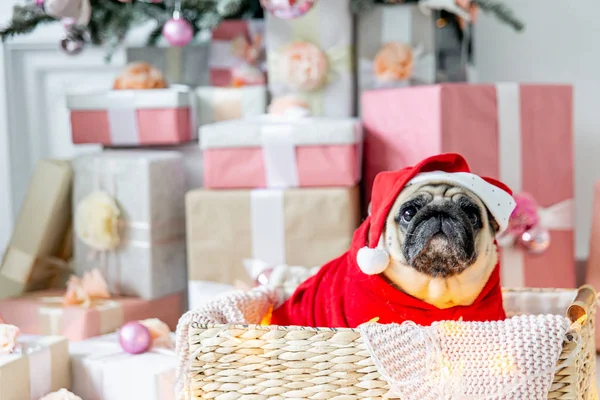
(408, 214)
(473, 218)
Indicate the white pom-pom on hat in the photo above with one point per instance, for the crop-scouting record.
(373, 261)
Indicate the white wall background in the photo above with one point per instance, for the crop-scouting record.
(560, 45)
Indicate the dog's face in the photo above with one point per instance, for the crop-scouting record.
(441, 241)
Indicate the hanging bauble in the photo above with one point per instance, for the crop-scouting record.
(178, 32)
(536, 240)
(74, 40)
(288, 9)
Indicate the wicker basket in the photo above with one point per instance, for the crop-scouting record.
(257, 362)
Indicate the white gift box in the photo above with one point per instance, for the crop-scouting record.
(39, 368)
(101, 370)
(221, 103)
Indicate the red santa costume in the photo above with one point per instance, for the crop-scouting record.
(350, 290)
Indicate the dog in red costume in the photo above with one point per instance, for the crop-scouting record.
(426, 253)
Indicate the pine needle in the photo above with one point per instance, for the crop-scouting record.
(24, 20)
(502, 12)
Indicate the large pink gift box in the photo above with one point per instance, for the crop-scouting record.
(132, 117)
(520, 134)
(281, 153)
(42, 313)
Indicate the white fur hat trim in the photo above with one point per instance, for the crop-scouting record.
(500, 203)
(373, 261)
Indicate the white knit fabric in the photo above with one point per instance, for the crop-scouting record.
(513, 359)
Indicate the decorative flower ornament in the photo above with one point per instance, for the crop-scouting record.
(97, 221)
(83, 291)
(248, 51)
(62, 394)
(8, 338)
(304, 66)
(394, 62)
(140, 75)
(524, 226)
(159, 332)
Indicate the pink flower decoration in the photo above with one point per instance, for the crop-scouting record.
(525, 215)
(159, 332)
(83, 291)
(8, 338)
(304, 66)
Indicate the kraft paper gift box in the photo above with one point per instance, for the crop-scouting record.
(402, 24)
(280, 153)
(305, 227)
(39, 366)
(101, 370)
(32, 258)
(593, 265)
(43, 313)
(316, 47)
(225, 56)
(221, 104)
(132, 117)
(148, 188)
(519, 134)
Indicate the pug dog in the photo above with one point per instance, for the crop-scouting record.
(440, 238)
(425, 253)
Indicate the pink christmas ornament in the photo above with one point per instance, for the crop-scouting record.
(135, 338)
(178, 32)
(288, 9)
(304, 66)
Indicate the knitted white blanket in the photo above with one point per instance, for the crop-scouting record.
(513, 359)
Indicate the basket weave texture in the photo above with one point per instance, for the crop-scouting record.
(255, 362)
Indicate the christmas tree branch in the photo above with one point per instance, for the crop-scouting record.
(501, 11)
(24, 20)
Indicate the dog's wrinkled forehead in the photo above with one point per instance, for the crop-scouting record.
(430, 191)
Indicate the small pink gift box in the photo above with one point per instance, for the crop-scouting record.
(131, 117)
(282, 153)
(42, 313)
(520, 134)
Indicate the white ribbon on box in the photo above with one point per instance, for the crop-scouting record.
(558, 216)
(267, 222)
(39, 362)
(279, 155)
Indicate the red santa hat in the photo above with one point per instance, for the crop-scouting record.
(452, 168)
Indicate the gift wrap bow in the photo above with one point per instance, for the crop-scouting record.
(529, 230)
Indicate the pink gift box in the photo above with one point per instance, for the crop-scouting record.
(42, 313)
(222, 59)
(131, 117)
(278, 153)
(520, 134)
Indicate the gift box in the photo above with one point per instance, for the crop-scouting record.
(395, 47)
(311, 58)
(43, 313)
(592, 275)
(193, 165)
(39, 240)
(221, 104)
(280, 153)
(101, 370)
(40, 365)
(142, 251)
(132, 117)
(306, 227)
(235, 46)
(520, 134)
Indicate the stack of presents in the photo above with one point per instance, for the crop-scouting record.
(273, 162)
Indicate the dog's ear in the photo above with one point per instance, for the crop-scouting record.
(493, 224)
